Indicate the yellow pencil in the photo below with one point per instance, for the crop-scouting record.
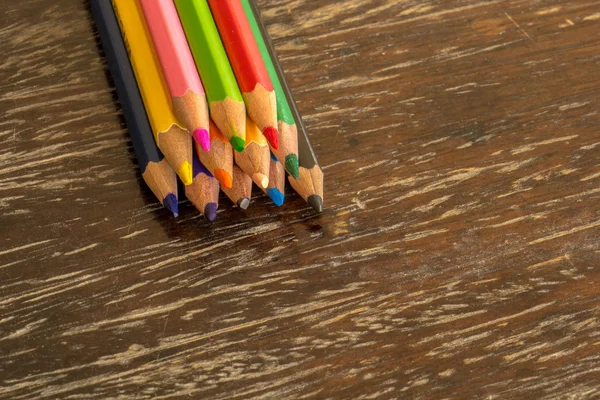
(172, 139)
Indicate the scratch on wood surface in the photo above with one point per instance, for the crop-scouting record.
(488, 323)
(519, 219)
(572, 105)
(592, 17)
(531, 146)
(455, 55)
(518, 26)
(547, 11)
(423, 234)
(25, 330)
(565, 233)
(133, 234)
(592, 176)
(24, 247)
(550, 262)
(342, 316)
(80, 250)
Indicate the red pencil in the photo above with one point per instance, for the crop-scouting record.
(248, 66)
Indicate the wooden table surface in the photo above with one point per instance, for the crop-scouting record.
(458, 255)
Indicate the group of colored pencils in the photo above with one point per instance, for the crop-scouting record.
(205, 99)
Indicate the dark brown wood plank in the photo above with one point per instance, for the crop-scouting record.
(457, 257)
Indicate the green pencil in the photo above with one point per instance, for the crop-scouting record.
(287, 152)
(310, 183)
(225, 101)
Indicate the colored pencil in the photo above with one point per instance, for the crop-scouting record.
(276, 188)
(254, 160)
(181, 75)
(241, 190)
(248, 65)
(287, 151)
(204, 191)
(173, 140)
(310, 183)
(219, 160)
(225, 101)
(156, 172)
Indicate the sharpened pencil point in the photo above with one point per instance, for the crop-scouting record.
(243, 203)
(272, 137)
(292, 165)
(210, 211)
(237, 143)
(185, 173)
(276, 196)
(224, 178)
(261, 179)
(203, 138)
(171, 204)
(316, 202)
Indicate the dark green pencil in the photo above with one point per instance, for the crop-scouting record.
(310, 182)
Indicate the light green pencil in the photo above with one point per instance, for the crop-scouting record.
(225, 101)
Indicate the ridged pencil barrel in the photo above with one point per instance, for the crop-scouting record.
(225, 102)
(156, 172)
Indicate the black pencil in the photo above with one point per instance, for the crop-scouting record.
(157, 174)
(310, 183)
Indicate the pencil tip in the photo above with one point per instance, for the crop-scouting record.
(292, 165)
(316, 202)
(185, 173)
(170, 203)
(224, 178)
(243, 203)
(261, 180)
(271, 135)
(210, 211)
(276, 196)
(237, 143)
(203, 138)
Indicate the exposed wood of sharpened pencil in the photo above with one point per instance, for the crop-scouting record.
(173, 141)
(204, 191)
(310, 183)
(219, 160)
(225, 102)
(241, 190)
(186, 90)
(276, 188)
(254, 160)
(287, 151)
(156, 172)
(248, 65)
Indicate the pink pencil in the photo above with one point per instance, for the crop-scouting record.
(185, 87)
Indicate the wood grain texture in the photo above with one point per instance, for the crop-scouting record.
(457, 256)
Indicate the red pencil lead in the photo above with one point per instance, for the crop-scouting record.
(272, 136)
